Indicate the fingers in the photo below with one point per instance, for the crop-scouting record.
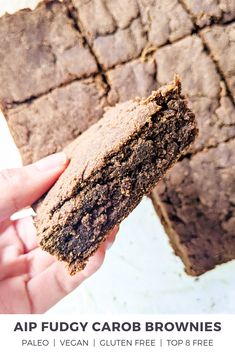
(26, 233)
(22, 186)
(58, 282)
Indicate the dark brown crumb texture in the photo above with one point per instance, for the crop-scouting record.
(113, 164)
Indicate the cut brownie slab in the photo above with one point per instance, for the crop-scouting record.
(207, 12)
(113, 164)
(40, 50)
(196, 202)
(221, 42)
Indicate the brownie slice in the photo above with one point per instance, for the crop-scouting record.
(196, 202)
(113, 164)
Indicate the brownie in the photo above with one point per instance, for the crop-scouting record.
(221, 42)
(196, 202)
(203, 86)
(112, 165)
(207, 12)
(193, 225)
(164, 21)
(139, 78)
(49, 51)
(47, 124)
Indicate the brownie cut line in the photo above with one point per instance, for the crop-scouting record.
(112, 165)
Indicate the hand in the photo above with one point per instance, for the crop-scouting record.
(31, 280)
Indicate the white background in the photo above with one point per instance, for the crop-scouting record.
(140, 274)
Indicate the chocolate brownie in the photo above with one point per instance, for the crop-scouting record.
(139, 78)
(196, 202)
(202, 83)
(40, 50)
(164, 21)
(47, 124)
(207, 12)
(221, 42)
(113, 164)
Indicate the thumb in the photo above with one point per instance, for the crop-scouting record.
(21, 187)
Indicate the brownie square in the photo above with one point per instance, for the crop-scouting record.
(202, 84)
(47, 124)
(164, 21)
(40, 50)
(133, 79)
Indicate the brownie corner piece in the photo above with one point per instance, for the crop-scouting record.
(112, 165)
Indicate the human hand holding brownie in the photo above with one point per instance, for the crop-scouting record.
(31, 280)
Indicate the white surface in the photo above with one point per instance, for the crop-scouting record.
(140, 274)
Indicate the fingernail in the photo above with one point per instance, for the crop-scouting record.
(54, 161)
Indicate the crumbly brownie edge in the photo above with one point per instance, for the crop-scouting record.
(96, 223)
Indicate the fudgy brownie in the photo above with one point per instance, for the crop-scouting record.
(196, 202)
(113, 164)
